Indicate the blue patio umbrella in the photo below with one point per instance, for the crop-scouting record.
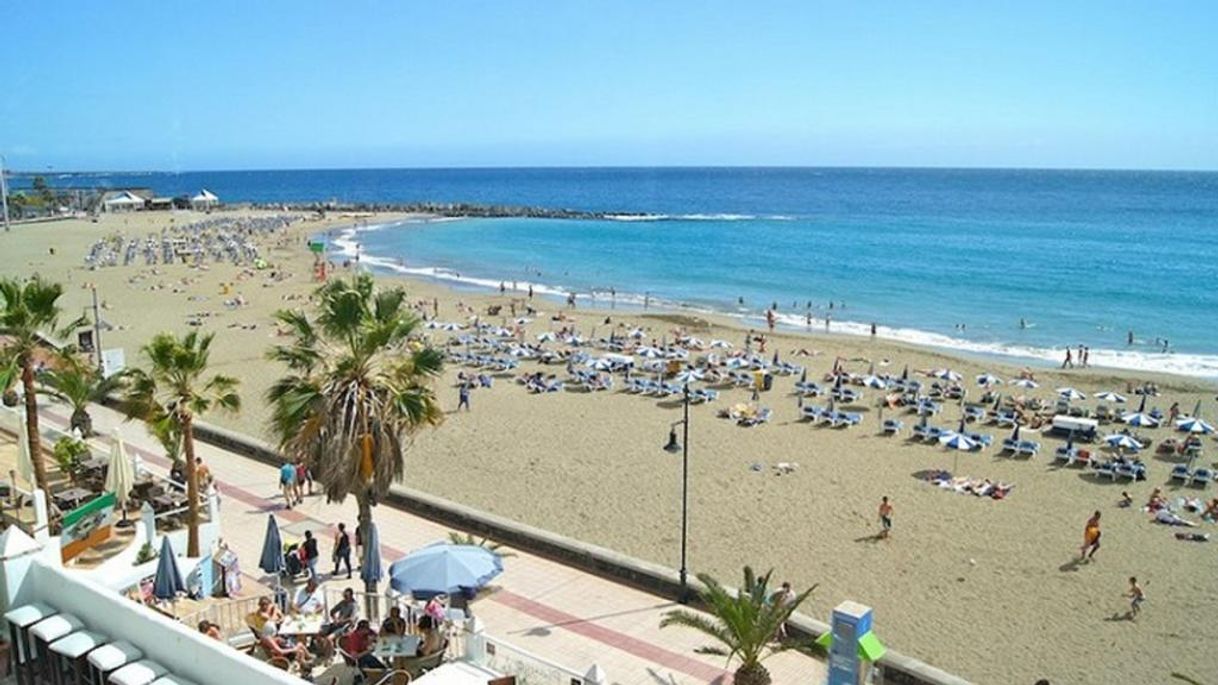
(1140, 420)
(370, 566)
(271, 560)
(444, 568)
(1194, 425)
(167, 583)
(958, 441)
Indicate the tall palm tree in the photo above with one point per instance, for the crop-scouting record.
(357, 392)
(78, 384)
(174, 389)
(744, 624)
(29, 313)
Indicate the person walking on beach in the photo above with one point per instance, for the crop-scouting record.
(873, 330)
(885, 518)
(463, 397)
(1069, 362)
(1136, 597)
(1086, 357)
(530, 291)
(342, 550)
(769, 319)
(304, 478)
(287, 482)
(1091, 538)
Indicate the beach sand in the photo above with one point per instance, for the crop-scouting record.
(986, 589)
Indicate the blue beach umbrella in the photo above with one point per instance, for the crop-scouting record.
(1122, 441)
(1194, 425)
(1140, 420)
(987, 379)
(958, 441)
(1109, 396)
(167, 583)
(271, 560)
(370, 566)
(444, 568)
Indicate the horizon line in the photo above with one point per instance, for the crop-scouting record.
(496, 167)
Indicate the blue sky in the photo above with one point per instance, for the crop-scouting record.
(172, 85)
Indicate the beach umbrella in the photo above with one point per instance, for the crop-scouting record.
(1015, 433)
(721, 344)
(1122, 441)
(1069, 393)
(25, 464)
(167, 583)
(1025, 383)
(370, 566)
(695, 343)
(873, 381)
(736, 363)
(638, 333)
(649, 352)
(946, 374)
(444, 568)
(957, 441)
(600, 364)
(546, 336)
(1109, 396)
(1140, 420)
(1194, 425)
(987, 379)
(120, 473)
(520, 352)
(271, 560)
(688, 375)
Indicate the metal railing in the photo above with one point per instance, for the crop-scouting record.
(229, 616)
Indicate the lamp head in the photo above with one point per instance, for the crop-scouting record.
(673, 445)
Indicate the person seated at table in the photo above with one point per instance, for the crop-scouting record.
(342, 615)
(267, 612)
(394, 624)
(309, 600)
(433, 639)
(272, 645)
(210, 630)
(437, 608)
(358, 645)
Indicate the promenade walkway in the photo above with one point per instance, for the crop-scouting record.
(557, 612)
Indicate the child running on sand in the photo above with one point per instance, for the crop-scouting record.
(1136, 597)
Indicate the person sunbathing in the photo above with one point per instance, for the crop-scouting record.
(1211, 511)
(1156, 501)
(1168, 518)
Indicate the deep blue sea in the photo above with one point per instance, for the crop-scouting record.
(946, 257)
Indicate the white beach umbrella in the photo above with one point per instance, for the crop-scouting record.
(1140, 420)
(957, 441)
(450, 326)
(688, 376)
(120, 472)
(573, 340)
(874, 381)
(1109, 396)
(987, 379)
(599, 363)
(1025, 383)
(25, 465)
(737, 363)
(695, 343)
(546, 336)
(636, 333)
(676, 353)
(1122, 441)
(1194, 425)
(501, 332)
(721, 344)
(1069, 393)
(649, 352)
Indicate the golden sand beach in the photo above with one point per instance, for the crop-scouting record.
(989, 589)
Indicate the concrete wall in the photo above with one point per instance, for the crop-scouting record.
(894, 668)
(185, 652)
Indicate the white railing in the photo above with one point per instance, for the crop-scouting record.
(529, 669)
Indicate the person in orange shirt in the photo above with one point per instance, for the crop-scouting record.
(1091, 538)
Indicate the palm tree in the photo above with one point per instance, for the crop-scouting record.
(744, 624)
(357, 392)
(29, 313)
(78, 384)
(174, 391)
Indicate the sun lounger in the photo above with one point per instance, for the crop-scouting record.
(1010, 445)
(1126, 471)
(812, 412)
(975, 413)
(762, 416)
(1106, 470)
(1064, 454)
(892, 426)
(1181, 473)
(1203, 477)
(933, 433)
(703, 395)
(808, 388)
(1005, 419)
(1029, 448)
(980, 438)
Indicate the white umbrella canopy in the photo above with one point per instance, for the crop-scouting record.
(649, 352)
(1025, 383)
(1194, 425)
(721, 344)
(1122, 441)
(946, 374)
(688, 376)
(737, 363)
(987, 379)
(546, 336)
(599, 363)
(874, 381)
(1141, 420)
(957, 441)
(25, 464)
(1109, 396)
(636, 333)
(1069, 393)
(120, 473)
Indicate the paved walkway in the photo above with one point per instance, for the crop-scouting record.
(554, 611)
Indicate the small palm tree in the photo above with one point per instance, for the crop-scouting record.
(174, 390)
(744, 624)
(78, 384)
(29, 313)
(358, 390)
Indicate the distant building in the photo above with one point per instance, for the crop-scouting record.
(204, 201)
(123, 201)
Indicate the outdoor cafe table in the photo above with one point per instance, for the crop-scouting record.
(71, 498)
(97, 464)
(301, 626)
(396, 646)
(167, 501)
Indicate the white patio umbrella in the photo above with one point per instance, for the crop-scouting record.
(25, 464)
(120, 472)
(1025, 383)
(874, 381)
(1109, 396)
(737, 363)
(649, 352)
(636, 333)
(599, 363)
(721, 344)
(522, 352)
(688, 376)
(1069, 393)
(1194, 425)
(546, 336)
(987, 379)
(695, 343)
(946, 374)
(1122, 441)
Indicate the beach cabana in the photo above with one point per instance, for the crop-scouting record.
(204, 200)
(125, 201)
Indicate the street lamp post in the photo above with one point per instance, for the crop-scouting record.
(673, 447)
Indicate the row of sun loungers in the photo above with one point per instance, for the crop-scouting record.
(484, 361)
(645, 386)
(1029, 448)
(1133, 470)
(1181, 474)
(837, 419)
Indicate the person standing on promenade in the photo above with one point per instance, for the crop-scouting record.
(303, 477)
(1091, 538)
(287, 483)
(885, 518)
(342, 550)
(309, 554)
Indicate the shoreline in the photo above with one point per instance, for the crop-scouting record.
(1201, 368)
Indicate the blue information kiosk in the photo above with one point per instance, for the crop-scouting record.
(852, 645)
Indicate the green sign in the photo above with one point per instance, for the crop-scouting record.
(317, 247)
(86, 526)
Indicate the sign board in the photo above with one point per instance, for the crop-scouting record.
(86, 526)
(113, 361)
(84, 341)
